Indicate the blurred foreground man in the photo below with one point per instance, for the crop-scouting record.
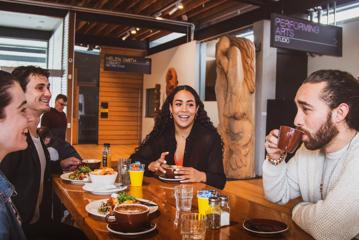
(30, 170)
(325, 169)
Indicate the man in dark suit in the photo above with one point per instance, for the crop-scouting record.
(30, 170)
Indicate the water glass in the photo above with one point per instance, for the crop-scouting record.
(122, 168)
(193, 226)
(183, 196)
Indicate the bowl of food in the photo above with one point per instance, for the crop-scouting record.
(103, 176)
(129, 217)
(92, 163)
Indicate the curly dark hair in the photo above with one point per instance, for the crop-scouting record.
(23, 73)
(342, 87)
(164, 122)
(6, 82)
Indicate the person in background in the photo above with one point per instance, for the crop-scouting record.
(324, 170)
(184, 135)
(55, 119)
(58, 149)
(30, 170)
(13, 125)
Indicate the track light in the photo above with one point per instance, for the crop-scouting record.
(177, 6)
(158, 16)
(133, 31)
(126, 36)
(173, 10)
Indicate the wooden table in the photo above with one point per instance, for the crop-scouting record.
(75, 200)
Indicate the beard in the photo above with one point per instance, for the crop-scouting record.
(323, 136)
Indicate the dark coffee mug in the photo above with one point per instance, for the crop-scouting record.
(129, 217)
(170, 170)
(289, 138)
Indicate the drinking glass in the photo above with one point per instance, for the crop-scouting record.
(122, 168)
(183, 195)
(193, 226)
(203, 200)
(136, 172)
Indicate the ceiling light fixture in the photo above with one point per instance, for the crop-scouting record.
(178, 5)
(158, 16)
(126, 36)
(133, 31)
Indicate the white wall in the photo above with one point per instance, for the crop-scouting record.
(184, 59)
(266, 60)
(350, 59)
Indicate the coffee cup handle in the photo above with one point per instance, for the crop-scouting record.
(110, 218)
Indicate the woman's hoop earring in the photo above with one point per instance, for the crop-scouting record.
(171, 115)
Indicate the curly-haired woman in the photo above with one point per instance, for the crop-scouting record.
(184, 135)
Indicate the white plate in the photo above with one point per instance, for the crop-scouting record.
(149, 229)
(102, 190)
(65, 176)
(169, 179)
(92, 207)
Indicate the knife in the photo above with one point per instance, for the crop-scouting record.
(146, 203)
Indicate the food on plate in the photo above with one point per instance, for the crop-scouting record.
(81, 173)
(103, 171)
(115, 200)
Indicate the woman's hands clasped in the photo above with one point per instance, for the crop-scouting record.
(186, 174)
(157, 165)
(190, 174)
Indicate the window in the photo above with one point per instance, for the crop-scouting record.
(343, 13)
(18, 52)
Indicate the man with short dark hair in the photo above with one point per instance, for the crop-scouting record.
(324, 170)
(30, 170)
(55, 119)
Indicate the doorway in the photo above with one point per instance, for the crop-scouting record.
(87, 65)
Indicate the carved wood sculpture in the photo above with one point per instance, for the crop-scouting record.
(171, 80)
(235, 86)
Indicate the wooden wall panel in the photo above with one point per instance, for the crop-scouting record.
(123, 92)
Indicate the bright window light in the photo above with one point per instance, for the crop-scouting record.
(247, 34)
(343, 13)
(18, 52)
(167, 38)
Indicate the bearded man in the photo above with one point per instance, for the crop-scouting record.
(325, 169)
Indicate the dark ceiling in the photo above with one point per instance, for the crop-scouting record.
(108, 22)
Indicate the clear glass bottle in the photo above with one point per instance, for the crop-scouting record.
(109, 157)
(214, 213)
(104, 155)
(225, 211)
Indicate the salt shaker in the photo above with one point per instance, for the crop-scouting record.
(225, 211)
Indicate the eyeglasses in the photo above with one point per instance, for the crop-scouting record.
(63, 104)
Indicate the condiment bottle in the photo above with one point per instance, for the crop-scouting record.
(104, 155)
(225, 211)
(108, 155)
(214, 213)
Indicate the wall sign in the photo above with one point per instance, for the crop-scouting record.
(303, 35)
(121, 63)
